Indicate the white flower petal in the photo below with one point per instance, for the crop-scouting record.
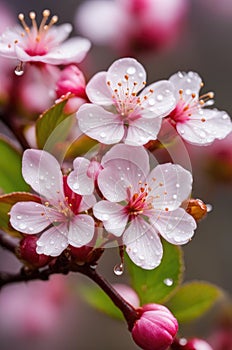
(160, 99)
(125, 167)
(205, 127)
(177, 226)
(59, 33)
(98, 91)
(29, 217)
(112, 215)
(189, 82)
(53, 241)
(142, 130)
(42, 172)
(87, 202)
(170, 185)
(73, 50)
(78, 180)
(126, 67)
(143, 244)
(81, 230)
(99, 124)
(135, 155)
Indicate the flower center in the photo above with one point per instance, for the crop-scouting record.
(138, 201)
(185, 108)
(37, 37)
(125, 98)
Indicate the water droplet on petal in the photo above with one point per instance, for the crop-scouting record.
(105, 217)
(174, 196)
(40, 244)
(90, 115)
(102, 135)
(183, 341)
(76, 186)
(63, 245)
(180, 75)
(168, 282)
(188, 92)
(18, 217)
(151, 101)
(22, 226)
(131, 70)
(225, 116)
(177, 185)
(209, 208)
(160, 98)
(31, 229)
(19, 71)
(118, 269)
(52, 242)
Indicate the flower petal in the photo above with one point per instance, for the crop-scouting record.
(143, 244)
(125, 171)
(158, 99)
(78, 180)
(142, 130)
(170, 185)
(98, 91)
(29, 217)
(42, 172)
(126, 67)
(112, 215)
(205, 127)
(189, 82)
(135, 155)
(53, 241)
(103, 126)
(177, 226)
(87, 202)
(81, 230)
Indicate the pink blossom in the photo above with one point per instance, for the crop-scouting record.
(145, 24)
(60, 216)
(117, 111)
(43, 43)
(141, 205)
(72, 81)
(82, 179)
(155, 329)
(196, 125)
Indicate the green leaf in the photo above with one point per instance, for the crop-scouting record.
(193, 299)
(156, 286)
(6, 202)
(96, 298)
(10, 168)
(53, 126)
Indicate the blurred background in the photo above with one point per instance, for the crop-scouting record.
(198, 39)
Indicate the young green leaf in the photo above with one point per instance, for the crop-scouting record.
(193, 299)
(52, 126)
(157, 286)
(10, 168)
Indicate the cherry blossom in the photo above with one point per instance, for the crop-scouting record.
(196, 125)
(145, 24)
(117, 111)
(43, 43)
(141, 205)
(59, 217)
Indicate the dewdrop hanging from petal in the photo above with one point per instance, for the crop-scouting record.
(42, 43)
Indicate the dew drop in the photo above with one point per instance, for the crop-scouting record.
(90, 115)
(180, 75)
(131, 70)
(209, 208)
(102, 135)
(177, 185)
(189, 80)
(63, 245)
(183, 341)
(41, 177)
(151, 101)
(182, 132)
(225, 116)
(76, 186)
(52, 242)
(22, 226)
(168, 282)
(188, 92)
(160, 98)
(31, 165)
(105, 217)
(40, 244)
(118, 269)
(135, 250)
(48, 186)
(18, 217)
(31, 229)
(174, 196)
(19, 71)
(140, 74)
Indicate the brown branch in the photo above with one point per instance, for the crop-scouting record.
(7, 244)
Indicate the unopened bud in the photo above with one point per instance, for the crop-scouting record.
(27, 252)
(156, 328)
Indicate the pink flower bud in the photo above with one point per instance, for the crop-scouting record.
(71, 80)
(156, 327)
(27, 252)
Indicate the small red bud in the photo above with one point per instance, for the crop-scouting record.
(155, 329)
(27, 252)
